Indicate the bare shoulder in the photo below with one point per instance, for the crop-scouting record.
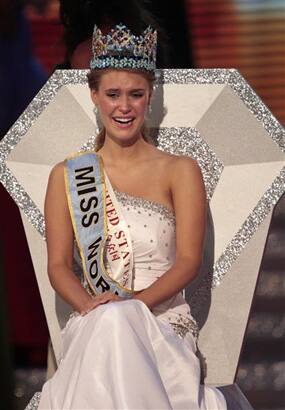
(175, 160)
(160, 160)
(183, 165)
(182, 169)
(190, 204)
(163, 158)
(56, 178)
(58, 224)
(186, 178)
(56, 185)
(179, 169)
(57, 171)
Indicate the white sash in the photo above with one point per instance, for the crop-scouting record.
(118, 247)
(101, 232)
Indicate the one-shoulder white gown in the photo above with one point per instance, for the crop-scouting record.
(123, 356)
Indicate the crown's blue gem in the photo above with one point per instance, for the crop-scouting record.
(121, 49)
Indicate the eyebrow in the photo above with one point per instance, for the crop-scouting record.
(117, 89)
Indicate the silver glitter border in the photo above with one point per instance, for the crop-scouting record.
(239, 85)
(188, 142)
(229, 77)
(34, 402)
(248, 228)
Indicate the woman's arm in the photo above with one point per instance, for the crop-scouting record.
(190, 205)
(60, 239)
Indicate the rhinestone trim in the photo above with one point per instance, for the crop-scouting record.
(147, 204)
(184, 325)
(123, 62)
(34, 402)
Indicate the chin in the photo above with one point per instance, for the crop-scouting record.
(124, 135)
(128, 137)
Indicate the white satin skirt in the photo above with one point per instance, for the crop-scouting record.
(121, 356)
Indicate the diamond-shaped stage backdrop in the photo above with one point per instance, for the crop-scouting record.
(212, 115)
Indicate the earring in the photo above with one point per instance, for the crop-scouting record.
(97, 119)
(149, 109)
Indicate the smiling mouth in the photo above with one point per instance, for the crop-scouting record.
(123, 121)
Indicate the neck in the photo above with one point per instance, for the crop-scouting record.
(115, 153)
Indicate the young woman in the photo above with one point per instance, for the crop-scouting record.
(138, 216)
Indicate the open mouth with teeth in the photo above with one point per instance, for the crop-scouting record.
(124, 121)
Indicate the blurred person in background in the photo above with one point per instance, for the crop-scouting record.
(78, 19)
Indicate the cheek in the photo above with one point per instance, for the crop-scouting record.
(141, 107)
(107, 106)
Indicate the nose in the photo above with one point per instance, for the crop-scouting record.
(124, 104)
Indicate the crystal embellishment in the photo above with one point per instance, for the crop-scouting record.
(122, 49)
(138, 203)
(182, 325)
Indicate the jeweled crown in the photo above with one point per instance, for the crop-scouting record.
(122, 49)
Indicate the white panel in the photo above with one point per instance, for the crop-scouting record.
(186, 105)
(237, 193)
(34, 178)
(61, 129)
(221, 337)
(81, 94)
(234, 134)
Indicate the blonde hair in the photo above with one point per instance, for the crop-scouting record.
(94, 77)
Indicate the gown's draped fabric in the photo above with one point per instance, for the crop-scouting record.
(123, 356)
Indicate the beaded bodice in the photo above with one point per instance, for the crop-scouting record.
(153, 232)
(152, 229)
